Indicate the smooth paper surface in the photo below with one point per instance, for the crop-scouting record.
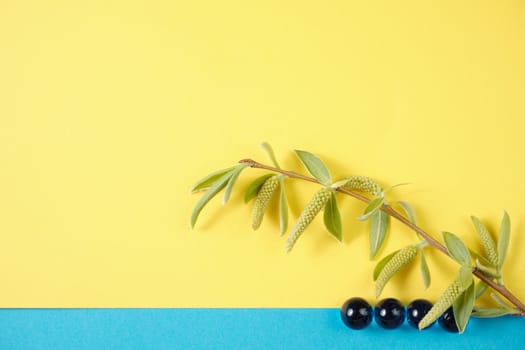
(234, 329)
(111, 110)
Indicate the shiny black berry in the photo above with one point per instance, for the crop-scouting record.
(389, 313)
(356, 313)
(448, 322)
(416, 310)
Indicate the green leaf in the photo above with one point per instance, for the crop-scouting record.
(394, 186)
(425, 272)
(457, 248)
(487, 271)
(231, 182)
(212, 191)
(381, 264)
(463, 307)
(255, 187)
(374, 205)
(503, 239)
(487, 312)
(500, 301)
(332, 218)
(315, 166)
(465, 277)
(283, 208)
(481, 288)
(208, 181)
(409, 211)
(378, 228)
(481, 258)
(269, 150)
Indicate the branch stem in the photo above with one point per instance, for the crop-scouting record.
(501, 289)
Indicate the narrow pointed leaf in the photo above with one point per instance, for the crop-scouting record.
(231, 182)
(381, 264)
(425, 272)
(487, 271)
(315, 166)
(500, 301)
(208, 181)
(488, 312)
(269, 150)
(481, 288)
(463, 307)
(255, 187)
(481, 258)
(212, 191)
(503, 239)
(409, 211)
(332, 218)
(457, 248)
(374, 205)
(283, 208)
(394, 186)
(465, 277)
(378, 228)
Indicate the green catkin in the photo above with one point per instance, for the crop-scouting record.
(309, 213)
(400, 259)
(450, 295)
(363, 184)
(486, 241)
(263, 198)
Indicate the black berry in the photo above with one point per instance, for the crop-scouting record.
(389, 313)
(448, 322)
(356, 313)
(416, 310)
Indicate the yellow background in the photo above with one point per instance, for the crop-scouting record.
(111, 110)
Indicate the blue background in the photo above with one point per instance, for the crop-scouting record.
(233, 329)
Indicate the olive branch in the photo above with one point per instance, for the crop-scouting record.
(462, 292)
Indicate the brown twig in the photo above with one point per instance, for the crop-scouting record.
(501, 289)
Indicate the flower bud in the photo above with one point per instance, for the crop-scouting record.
(400, 259)
(363, 184)
(309, 213)
(450, 295)
(263, 198)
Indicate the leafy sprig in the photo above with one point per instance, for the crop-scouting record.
(463, 291)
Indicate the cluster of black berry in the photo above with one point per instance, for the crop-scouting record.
(390, 313)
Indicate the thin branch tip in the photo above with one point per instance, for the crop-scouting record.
(247, 161)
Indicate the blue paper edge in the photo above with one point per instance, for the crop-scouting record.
(225, 328)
